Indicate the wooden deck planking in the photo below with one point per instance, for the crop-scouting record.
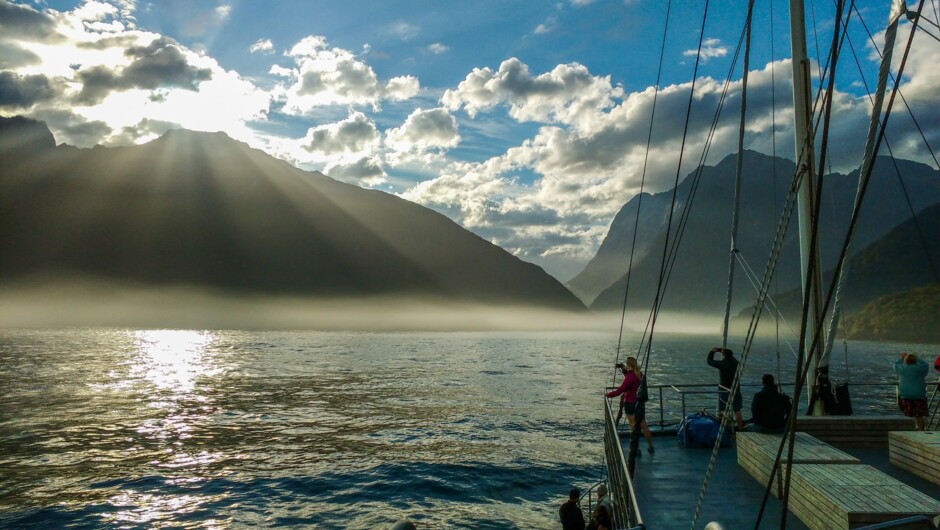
(852, 495)
(917, 452)
(756, 453)
(854, 431)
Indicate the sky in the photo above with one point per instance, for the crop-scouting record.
(526, 122)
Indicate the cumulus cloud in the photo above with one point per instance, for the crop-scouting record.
(126, 83)
(711, 48)
(23, 22)
(21, 92)
(424, 130)
(568, 94)
(160, 64)
(355, 134)
(327, 75)
(262, 46)
(401, 88)
(366, 171)
(565, 182)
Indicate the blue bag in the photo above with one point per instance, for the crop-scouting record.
(701, 430)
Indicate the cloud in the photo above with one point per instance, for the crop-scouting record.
(127, 81)
(355, 134)
(568, 94)
(711, 48)
(366, 171)
(333, 76)
(425, 130)
(401, 88)
(437, 48)
(22, 92)
(403, 30)
(158, 65)
(13, 56)
(73, 129)
(22, 22)
(262, 46)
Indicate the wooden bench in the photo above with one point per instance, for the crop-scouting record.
(854, 431)
(847, 496)
(917, 452)
(756, 453)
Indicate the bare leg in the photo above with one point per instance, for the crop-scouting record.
(647, 434)
(919, 423)
(740, 419)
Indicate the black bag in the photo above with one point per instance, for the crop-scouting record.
(643, 393)
(835, 398)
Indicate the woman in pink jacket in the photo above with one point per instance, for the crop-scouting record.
(632, 377)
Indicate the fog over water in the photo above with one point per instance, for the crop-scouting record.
(57, 304)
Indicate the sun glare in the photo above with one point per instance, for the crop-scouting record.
(174, 359)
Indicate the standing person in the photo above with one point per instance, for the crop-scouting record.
(570, 513)
(912, 391)
(770, 409)
(727, 367)
(632, 378)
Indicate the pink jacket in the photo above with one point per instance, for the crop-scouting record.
(631, 383)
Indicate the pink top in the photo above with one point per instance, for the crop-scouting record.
(631, 383)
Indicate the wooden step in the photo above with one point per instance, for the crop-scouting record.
(844, 496)
(917, 452)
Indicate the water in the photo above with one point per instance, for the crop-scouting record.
(116, 428)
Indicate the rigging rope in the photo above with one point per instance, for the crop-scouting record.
(734, 250)
(874, 45)
(636, 222)
(867, 160)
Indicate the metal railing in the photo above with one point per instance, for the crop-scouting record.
(933, 417)
(626, 510)
(669, 404)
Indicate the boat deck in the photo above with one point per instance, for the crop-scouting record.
(668, 484)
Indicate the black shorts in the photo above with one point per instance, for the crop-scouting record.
(628, 408)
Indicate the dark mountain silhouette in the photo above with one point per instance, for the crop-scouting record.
(906, 258)
(909, 316)
(202, 209)
(698, 281)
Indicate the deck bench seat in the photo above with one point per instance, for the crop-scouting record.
(917, 452)
(854, 431)
(756, 453)
(844, 496)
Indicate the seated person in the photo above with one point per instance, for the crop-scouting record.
(769, 409)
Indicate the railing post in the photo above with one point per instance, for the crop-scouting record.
(662, 424)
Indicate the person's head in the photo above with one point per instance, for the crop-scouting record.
(910, 358)
(767, 379)
(602, 491)
(726, 353)
(633, 366)
(574, 494)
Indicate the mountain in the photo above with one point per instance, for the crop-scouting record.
(202, 209)
(910, 316)
(698, 281)
(906, 258)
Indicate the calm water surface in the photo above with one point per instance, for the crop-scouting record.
(116, 428)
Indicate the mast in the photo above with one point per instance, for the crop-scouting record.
(805, 163)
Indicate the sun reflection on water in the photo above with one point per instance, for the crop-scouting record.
(173, 359)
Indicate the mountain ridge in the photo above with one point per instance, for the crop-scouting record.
(203, 209)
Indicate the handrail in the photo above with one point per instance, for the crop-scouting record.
(626, 510)
(674, 400)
